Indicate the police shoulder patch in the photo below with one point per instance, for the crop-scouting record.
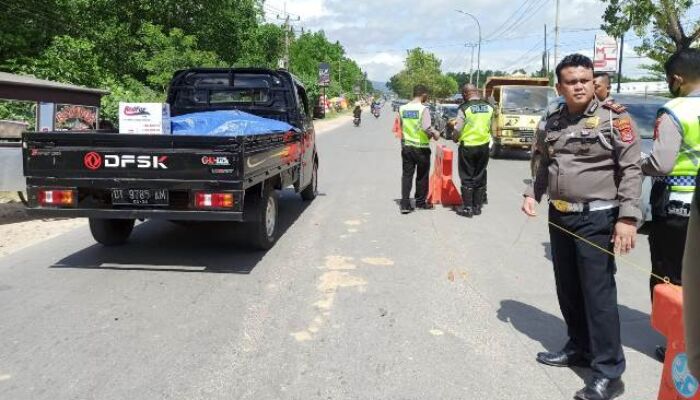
(614, 107)
(624, 128)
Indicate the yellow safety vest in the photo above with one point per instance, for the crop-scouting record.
(685, 111)
(413, 133)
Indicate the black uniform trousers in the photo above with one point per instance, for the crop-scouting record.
(473, 161)
(416, 161)
(586, 288)
(666, 238)
(667, 245)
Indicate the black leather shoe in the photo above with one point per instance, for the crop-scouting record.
(466, 212)
(563, 358)
(601, 389)
(425, 206)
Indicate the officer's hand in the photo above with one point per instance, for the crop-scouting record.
(625, 236)
(528, 207)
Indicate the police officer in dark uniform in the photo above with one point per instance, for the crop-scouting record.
(590, 168)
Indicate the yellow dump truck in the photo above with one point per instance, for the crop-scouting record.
(519, 103)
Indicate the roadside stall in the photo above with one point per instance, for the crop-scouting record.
(58, 106)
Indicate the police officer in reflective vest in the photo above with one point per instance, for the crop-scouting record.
(674, 163)
(590, 169)
(416, 128)
(472, 131)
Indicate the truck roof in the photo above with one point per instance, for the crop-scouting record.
(515, 81)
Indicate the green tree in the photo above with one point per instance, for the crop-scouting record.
(162, 54)
(422, 68)
(658, 22)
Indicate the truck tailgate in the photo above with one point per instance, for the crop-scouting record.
(100, 155)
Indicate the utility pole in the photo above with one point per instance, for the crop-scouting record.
(556, 35)
(471, 62)
(619, 68)
(478, 56)
(286, 19)
(545, 55)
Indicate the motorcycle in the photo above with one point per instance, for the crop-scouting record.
(356, 121)
(375, 112)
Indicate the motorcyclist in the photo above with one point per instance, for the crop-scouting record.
(357, 114)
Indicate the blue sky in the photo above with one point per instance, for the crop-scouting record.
(377, 33)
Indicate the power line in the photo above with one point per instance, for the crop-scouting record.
(507, 21)
(525, 16)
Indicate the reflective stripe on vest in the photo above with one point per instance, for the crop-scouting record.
(685, 111)
(477, 125)
(413, 133)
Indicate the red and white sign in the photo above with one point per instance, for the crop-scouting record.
(144, 118)
(605, 55)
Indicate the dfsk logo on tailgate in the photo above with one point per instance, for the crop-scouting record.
(94, 161)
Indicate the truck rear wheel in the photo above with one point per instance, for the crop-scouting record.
(264, 226)
(111, 232)
(311, 191)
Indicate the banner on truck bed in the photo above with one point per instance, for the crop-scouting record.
(324, 74)
(605, 55)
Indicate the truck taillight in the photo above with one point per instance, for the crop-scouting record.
(213, 200)
(56, 197)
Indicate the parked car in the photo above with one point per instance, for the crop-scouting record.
(446, 113)
(643, 110)
(395, 104)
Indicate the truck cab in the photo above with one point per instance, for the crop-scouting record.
(518, 106)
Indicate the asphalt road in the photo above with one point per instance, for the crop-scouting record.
(354, 302)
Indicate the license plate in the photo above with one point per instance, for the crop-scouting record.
(140, 197)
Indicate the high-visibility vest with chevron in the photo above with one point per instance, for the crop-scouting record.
(413, 133)
(685, 111)
(477, 124)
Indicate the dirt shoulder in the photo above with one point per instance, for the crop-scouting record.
(18, 230)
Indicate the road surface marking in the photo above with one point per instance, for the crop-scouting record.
(436, 332)
(337, 276)
(378, 261)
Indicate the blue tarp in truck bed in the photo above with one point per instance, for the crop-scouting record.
(225, 123)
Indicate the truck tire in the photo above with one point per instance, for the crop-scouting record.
(264, 226)
(311, 191)
(111, 232)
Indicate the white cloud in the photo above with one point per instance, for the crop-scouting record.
(377, 34)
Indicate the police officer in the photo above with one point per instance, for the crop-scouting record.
(589, 167)
(472, 130)
(673, 163)
(602, 86)
(416, 128)
(691, 294)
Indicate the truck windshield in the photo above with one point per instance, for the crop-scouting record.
(526, 100)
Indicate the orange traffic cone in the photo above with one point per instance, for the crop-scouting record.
(397, 128)
(667, 317)
(442, 188)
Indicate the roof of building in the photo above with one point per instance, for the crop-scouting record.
(29, 88)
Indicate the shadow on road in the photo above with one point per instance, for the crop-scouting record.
(547, 247)
(550, 330)
(217, 247)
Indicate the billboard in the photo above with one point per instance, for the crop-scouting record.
(324, 74)
(605, 54)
